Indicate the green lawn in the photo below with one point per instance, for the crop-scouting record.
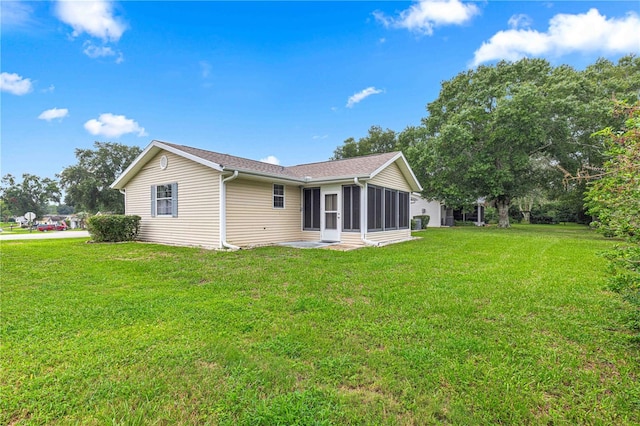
(464, 326)
(12, 228)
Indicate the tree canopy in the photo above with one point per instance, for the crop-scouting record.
(614, 198)
(31, 195)
(86, 183)
(492, 129)
(507, 131)
(614, 195)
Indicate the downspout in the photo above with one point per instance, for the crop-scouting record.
(363, 232)
(223, 212)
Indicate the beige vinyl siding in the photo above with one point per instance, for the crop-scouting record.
(252, 219)
(198, 218)
(351, 238)
(391, 178)
(389, 236)
(310, 236)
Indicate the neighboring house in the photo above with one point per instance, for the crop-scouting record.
(421, 206)
(441, 215)
(53, 219)
(476, 215)
(22, 221)
(75, 221)
(189, 196)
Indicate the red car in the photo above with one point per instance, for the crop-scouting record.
(52, 227)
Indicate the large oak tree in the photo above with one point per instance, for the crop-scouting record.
(87, 183)
(501, 131)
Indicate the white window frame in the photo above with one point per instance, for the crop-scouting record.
(173, 199)
(277, 196)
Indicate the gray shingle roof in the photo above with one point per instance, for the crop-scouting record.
(335, 170)
(357, 166)
(231, 162)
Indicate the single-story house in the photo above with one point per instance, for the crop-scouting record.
(421, 206)
(52, 219)
(21, 220)
(193, 197)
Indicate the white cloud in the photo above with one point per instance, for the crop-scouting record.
(94, 17)
(587, 32)
(15, 13)
(15, 84)
(319, 137)
(520, 21)
(49, 89)
(271, 160)
(113, 126)
(357, 97)
(54, 113)
(422, 17)
(93, 51)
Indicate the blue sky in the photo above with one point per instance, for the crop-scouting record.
(284, 82)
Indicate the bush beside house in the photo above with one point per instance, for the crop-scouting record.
(113, 228)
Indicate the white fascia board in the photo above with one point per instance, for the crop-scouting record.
(404, 167)
(186, 155)
(336, 179)
(135, 166)
(271, 177)
(149, 152)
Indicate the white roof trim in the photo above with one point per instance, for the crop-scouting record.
(404, 168)
(153, 148)
(156, 146)
(191, 157)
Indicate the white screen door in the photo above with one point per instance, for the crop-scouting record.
(330, 228)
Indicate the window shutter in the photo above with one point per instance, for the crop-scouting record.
(153, 200)
(174, 199)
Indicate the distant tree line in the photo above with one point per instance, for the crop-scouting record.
(85, 185)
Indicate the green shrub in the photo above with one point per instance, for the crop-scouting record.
(491, 215)
(424, 221)
(113, 228)
(615, 200)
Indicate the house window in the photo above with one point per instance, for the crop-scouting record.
(374, 208)
(351, 208)
(164, 200)
(390, 209)
(403, 210)
(278, 196)
(311, 209)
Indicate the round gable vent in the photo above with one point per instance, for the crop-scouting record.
(163, 162)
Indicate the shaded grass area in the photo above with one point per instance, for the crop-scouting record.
(464, 326)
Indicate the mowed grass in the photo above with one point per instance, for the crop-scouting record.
(463, 326)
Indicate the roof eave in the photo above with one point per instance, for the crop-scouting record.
(148, 153)
(405, 168)
(264, 175)
(337, 178)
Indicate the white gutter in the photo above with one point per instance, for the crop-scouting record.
(363, 216)
(223, 212)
